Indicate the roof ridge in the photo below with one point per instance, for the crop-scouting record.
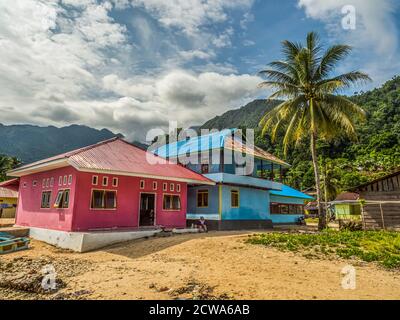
(79, 150)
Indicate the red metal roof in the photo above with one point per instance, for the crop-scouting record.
(12, 184)
(8, 193)
(119, 156)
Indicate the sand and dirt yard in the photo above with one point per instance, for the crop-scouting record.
(217, 265)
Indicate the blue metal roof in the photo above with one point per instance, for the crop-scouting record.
(201, 143)
(290, 192)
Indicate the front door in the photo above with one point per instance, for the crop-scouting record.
(147, 209)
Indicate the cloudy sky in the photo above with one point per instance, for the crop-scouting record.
(132, 65)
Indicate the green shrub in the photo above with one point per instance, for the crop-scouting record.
(382, 247)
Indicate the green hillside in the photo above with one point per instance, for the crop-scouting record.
(247, 116)
(29, 143)
(344, 163)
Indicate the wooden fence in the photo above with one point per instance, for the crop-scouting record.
(378, 215)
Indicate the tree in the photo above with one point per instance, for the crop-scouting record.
(312, 107)
(7, 163)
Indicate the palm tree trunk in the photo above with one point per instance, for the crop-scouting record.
(321, 212)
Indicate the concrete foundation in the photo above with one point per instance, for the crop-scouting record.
(233, 225)
(87, 241)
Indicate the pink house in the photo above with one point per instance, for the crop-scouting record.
(109, 185)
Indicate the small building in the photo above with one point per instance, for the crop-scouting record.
(239, 200)
(8, 200)
(347, 206)
(109, 185)
(381, 202)
(287, 204)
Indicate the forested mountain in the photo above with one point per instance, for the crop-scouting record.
(344, 163)
(29, 143)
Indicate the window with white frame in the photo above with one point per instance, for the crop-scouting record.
(43, 183)
(47, 182)
(51, 181)
(171, 187)
(34, 183)
(70, 179)
(95, 180)
(178, 188)
(45, 203)
(142, 184)
(105, 182)
(62, 199)
(171, 202)
(60, 181)
(115, 182)
(154, 185)
(165, 186)
(65, 180)
(103, 199)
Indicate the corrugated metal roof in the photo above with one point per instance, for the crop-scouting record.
(118, 156)
(238, 146)
(8, 193)
(347, 196)
(211, 141)
(193, 145)
(290, 192)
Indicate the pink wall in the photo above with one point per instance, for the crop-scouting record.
(29, 212)
(79, 216)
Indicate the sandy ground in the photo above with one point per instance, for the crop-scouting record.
(213, 265)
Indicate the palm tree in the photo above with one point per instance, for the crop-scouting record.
(311, 107)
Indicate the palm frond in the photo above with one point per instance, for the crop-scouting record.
(277, 76)
(329, 60)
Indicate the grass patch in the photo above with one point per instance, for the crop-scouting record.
(382, 247)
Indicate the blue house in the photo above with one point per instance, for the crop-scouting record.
(248, 191)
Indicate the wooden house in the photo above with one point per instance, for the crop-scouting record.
(381, 202)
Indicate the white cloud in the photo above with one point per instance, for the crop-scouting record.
(375, 36)
(59, 66)
(189, 16)
(197, 54)
(375, 24)
(248, 43)
(181, 96)
(224, 39)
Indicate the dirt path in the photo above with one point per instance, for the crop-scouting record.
(216, 265)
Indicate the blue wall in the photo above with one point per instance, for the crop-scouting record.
(289, 200)
(285, 218)
(254, 204)
(212, 201)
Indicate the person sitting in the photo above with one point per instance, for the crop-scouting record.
(202, 225)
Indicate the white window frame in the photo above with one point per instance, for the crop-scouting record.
(97, 180)
(104, 181)
(115, 181)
